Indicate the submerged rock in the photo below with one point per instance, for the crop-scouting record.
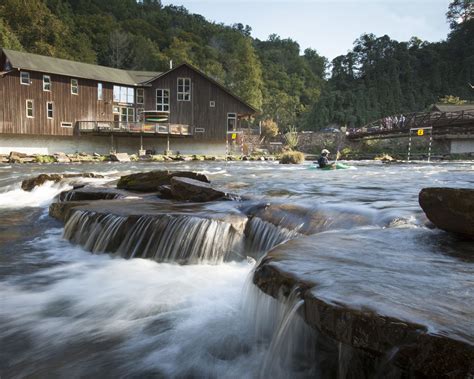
(29, 184)
(152, 180)
(450, 209)
(194, 190)
(89, 193)
(396, 302)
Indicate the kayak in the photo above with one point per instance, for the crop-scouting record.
(339, 166)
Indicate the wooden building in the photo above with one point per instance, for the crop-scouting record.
(67, 105)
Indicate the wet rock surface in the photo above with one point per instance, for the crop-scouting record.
(91, 193)
(29, 184)
(307, 219)
(186, 189)
(450, 209)
(152, 180)
(398, 310)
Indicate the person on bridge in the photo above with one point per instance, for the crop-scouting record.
(323, 159)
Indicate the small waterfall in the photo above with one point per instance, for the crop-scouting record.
(292, 343)
(261, 236)
(170, 238)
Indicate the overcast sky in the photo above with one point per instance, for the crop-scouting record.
(330, 27)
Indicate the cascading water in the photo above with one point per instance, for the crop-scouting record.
(68, 313)
(261, 236)
(163, 238)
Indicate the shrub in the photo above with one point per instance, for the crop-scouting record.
(269, 128)
(291, 138)
(292, 157)
(44, 159)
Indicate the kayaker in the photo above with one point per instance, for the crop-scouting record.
(323, 159)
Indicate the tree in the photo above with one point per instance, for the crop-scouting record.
(119, 49)
(459, 11)
(269, 128)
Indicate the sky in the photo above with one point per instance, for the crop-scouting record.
(329, 27)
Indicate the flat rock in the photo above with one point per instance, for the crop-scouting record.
(412, 299)
(194, 190)
(450, 209)
(29, 184)
(152, 180)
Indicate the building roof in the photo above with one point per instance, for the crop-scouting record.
(452, 107)
(220, 85)
(41, 63)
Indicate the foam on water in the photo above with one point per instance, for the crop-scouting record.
(111, 315)
(40, 196)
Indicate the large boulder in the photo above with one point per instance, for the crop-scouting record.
(194, 190)
(450, 209)
(120, 157)
(29, 184)
(152, 180)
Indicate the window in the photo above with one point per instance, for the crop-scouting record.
(49, 109)
(74, 87)
(140, 95)
(100, 92)
(46, 83)
(163, 100)
(184, 89)
(140, 114)
(127, 114)
(30, 111)
(66, 124)
(212, 104)
(123, 94)
(25, 78)
(231, 122)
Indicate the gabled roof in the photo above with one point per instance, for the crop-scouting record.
(34, 62)
(220, 85)
(41, 63)
(452, 107)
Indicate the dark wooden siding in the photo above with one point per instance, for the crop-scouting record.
(67, 107)
(197, 112)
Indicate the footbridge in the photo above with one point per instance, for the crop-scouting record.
(453, 123)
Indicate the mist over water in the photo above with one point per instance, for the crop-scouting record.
(66, 312)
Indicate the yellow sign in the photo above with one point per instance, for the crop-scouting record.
(234, 135)
(420, 132)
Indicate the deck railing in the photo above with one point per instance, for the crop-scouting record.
(112, 127)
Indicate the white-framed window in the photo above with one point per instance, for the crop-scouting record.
(46, 83)
(140, 96)
(123, 94)
(184, 89)
(231, 122)
(163, 100)
(30, 109)
(74, 86)
(140, 114)
(66, 124)
(49, 109)
(212, 104)
(100, 91)
(25, 78)
(127, 114)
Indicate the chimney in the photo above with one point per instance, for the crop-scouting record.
(171, 64)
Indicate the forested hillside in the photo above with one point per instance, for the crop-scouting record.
(379, 76)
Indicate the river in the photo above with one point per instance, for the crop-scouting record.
(68, 313)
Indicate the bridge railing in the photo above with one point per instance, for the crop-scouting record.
(404, 122)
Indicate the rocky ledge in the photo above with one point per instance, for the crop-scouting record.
(450, 209)
(388, 303)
